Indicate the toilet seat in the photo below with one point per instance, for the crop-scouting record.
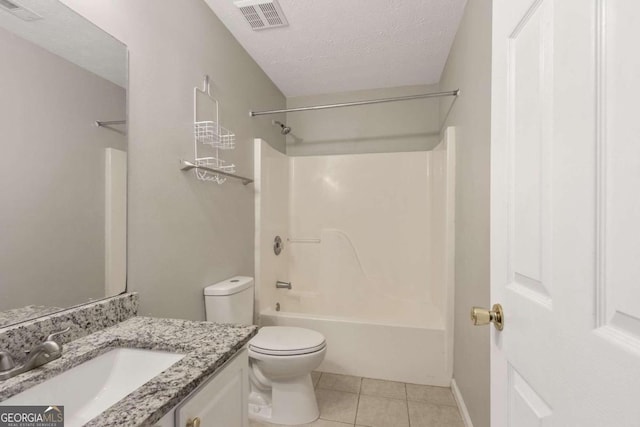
(286, 341)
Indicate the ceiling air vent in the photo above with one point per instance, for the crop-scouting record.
(19, 11)
(261, 14)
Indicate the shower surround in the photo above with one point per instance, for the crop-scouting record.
(368, 248)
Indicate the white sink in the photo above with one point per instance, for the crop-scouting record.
(90, 388)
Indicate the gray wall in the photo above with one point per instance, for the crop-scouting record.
(184, 234)
(389, 127)
(52, 176)
(469, 68)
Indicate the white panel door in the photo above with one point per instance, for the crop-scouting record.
(565, 213)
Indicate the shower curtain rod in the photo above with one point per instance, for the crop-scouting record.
(352, 104)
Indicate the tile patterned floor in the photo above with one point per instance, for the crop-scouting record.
(347, 401)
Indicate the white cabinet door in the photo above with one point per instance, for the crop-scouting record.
(222, 400)
(565, 213)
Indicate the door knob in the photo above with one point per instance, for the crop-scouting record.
(482, 316)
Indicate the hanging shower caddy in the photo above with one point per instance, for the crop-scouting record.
(218, 138)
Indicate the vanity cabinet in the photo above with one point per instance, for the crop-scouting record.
(221, 401)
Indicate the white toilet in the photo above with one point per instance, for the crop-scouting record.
(281, 358)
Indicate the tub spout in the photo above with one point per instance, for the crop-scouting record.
(283, 285)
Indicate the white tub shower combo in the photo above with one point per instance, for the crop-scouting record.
(368, 250)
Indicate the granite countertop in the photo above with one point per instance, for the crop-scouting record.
(17, 315)
(206, 346)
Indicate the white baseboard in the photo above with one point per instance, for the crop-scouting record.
(463, 408)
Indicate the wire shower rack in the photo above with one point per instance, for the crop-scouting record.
(211, 133)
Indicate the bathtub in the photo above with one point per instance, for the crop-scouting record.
(370, 260)
(387, 351)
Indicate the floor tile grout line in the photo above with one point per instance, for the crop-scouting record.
(355, 420)
(408, 414)
(387, 397)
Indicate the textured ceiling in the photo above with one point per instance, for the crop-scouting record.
(344, 45)
(68, 35)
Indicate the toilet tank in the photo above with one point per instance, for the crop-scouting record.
(230, 301)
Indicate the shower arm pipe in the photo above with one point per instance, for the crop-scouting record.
(356, 103)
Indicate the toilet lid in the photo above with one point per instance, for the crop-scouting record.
(286, 340)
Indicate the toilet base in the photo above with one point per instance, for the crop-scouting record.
(259, 412)
(290, 402)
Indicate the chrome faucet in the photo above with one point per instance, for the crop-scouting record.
(41, 354)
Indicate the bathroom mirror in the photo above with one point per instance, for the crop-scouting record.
(62, 176)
